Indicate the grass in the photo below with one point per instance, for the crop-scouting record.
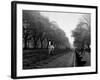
(32, 56)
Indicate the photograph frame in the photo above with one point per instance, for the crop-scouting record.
(14, 38)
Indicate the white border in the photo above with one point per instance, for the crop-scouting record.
(36, 72)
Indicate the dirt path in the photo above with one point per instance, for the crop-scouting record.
(65, 60)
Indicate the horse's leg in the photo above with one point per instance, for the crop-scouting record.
(52, 50)
(49, 51)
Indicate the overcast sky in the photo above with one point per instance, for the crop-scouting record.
(66, 21)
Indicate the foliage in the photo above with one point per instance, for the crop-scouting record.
(82, 32)
(38, 28)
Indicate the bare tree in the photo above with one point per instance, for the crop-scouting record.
(82, 33)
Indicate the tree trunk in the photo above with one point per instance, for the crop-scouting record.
(35, 42)
(25, 42)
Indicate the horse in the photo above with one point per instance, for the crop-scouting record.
(50, 47)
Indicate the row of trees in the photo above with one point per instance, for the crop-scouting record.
(82, 33)
(38, 30)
